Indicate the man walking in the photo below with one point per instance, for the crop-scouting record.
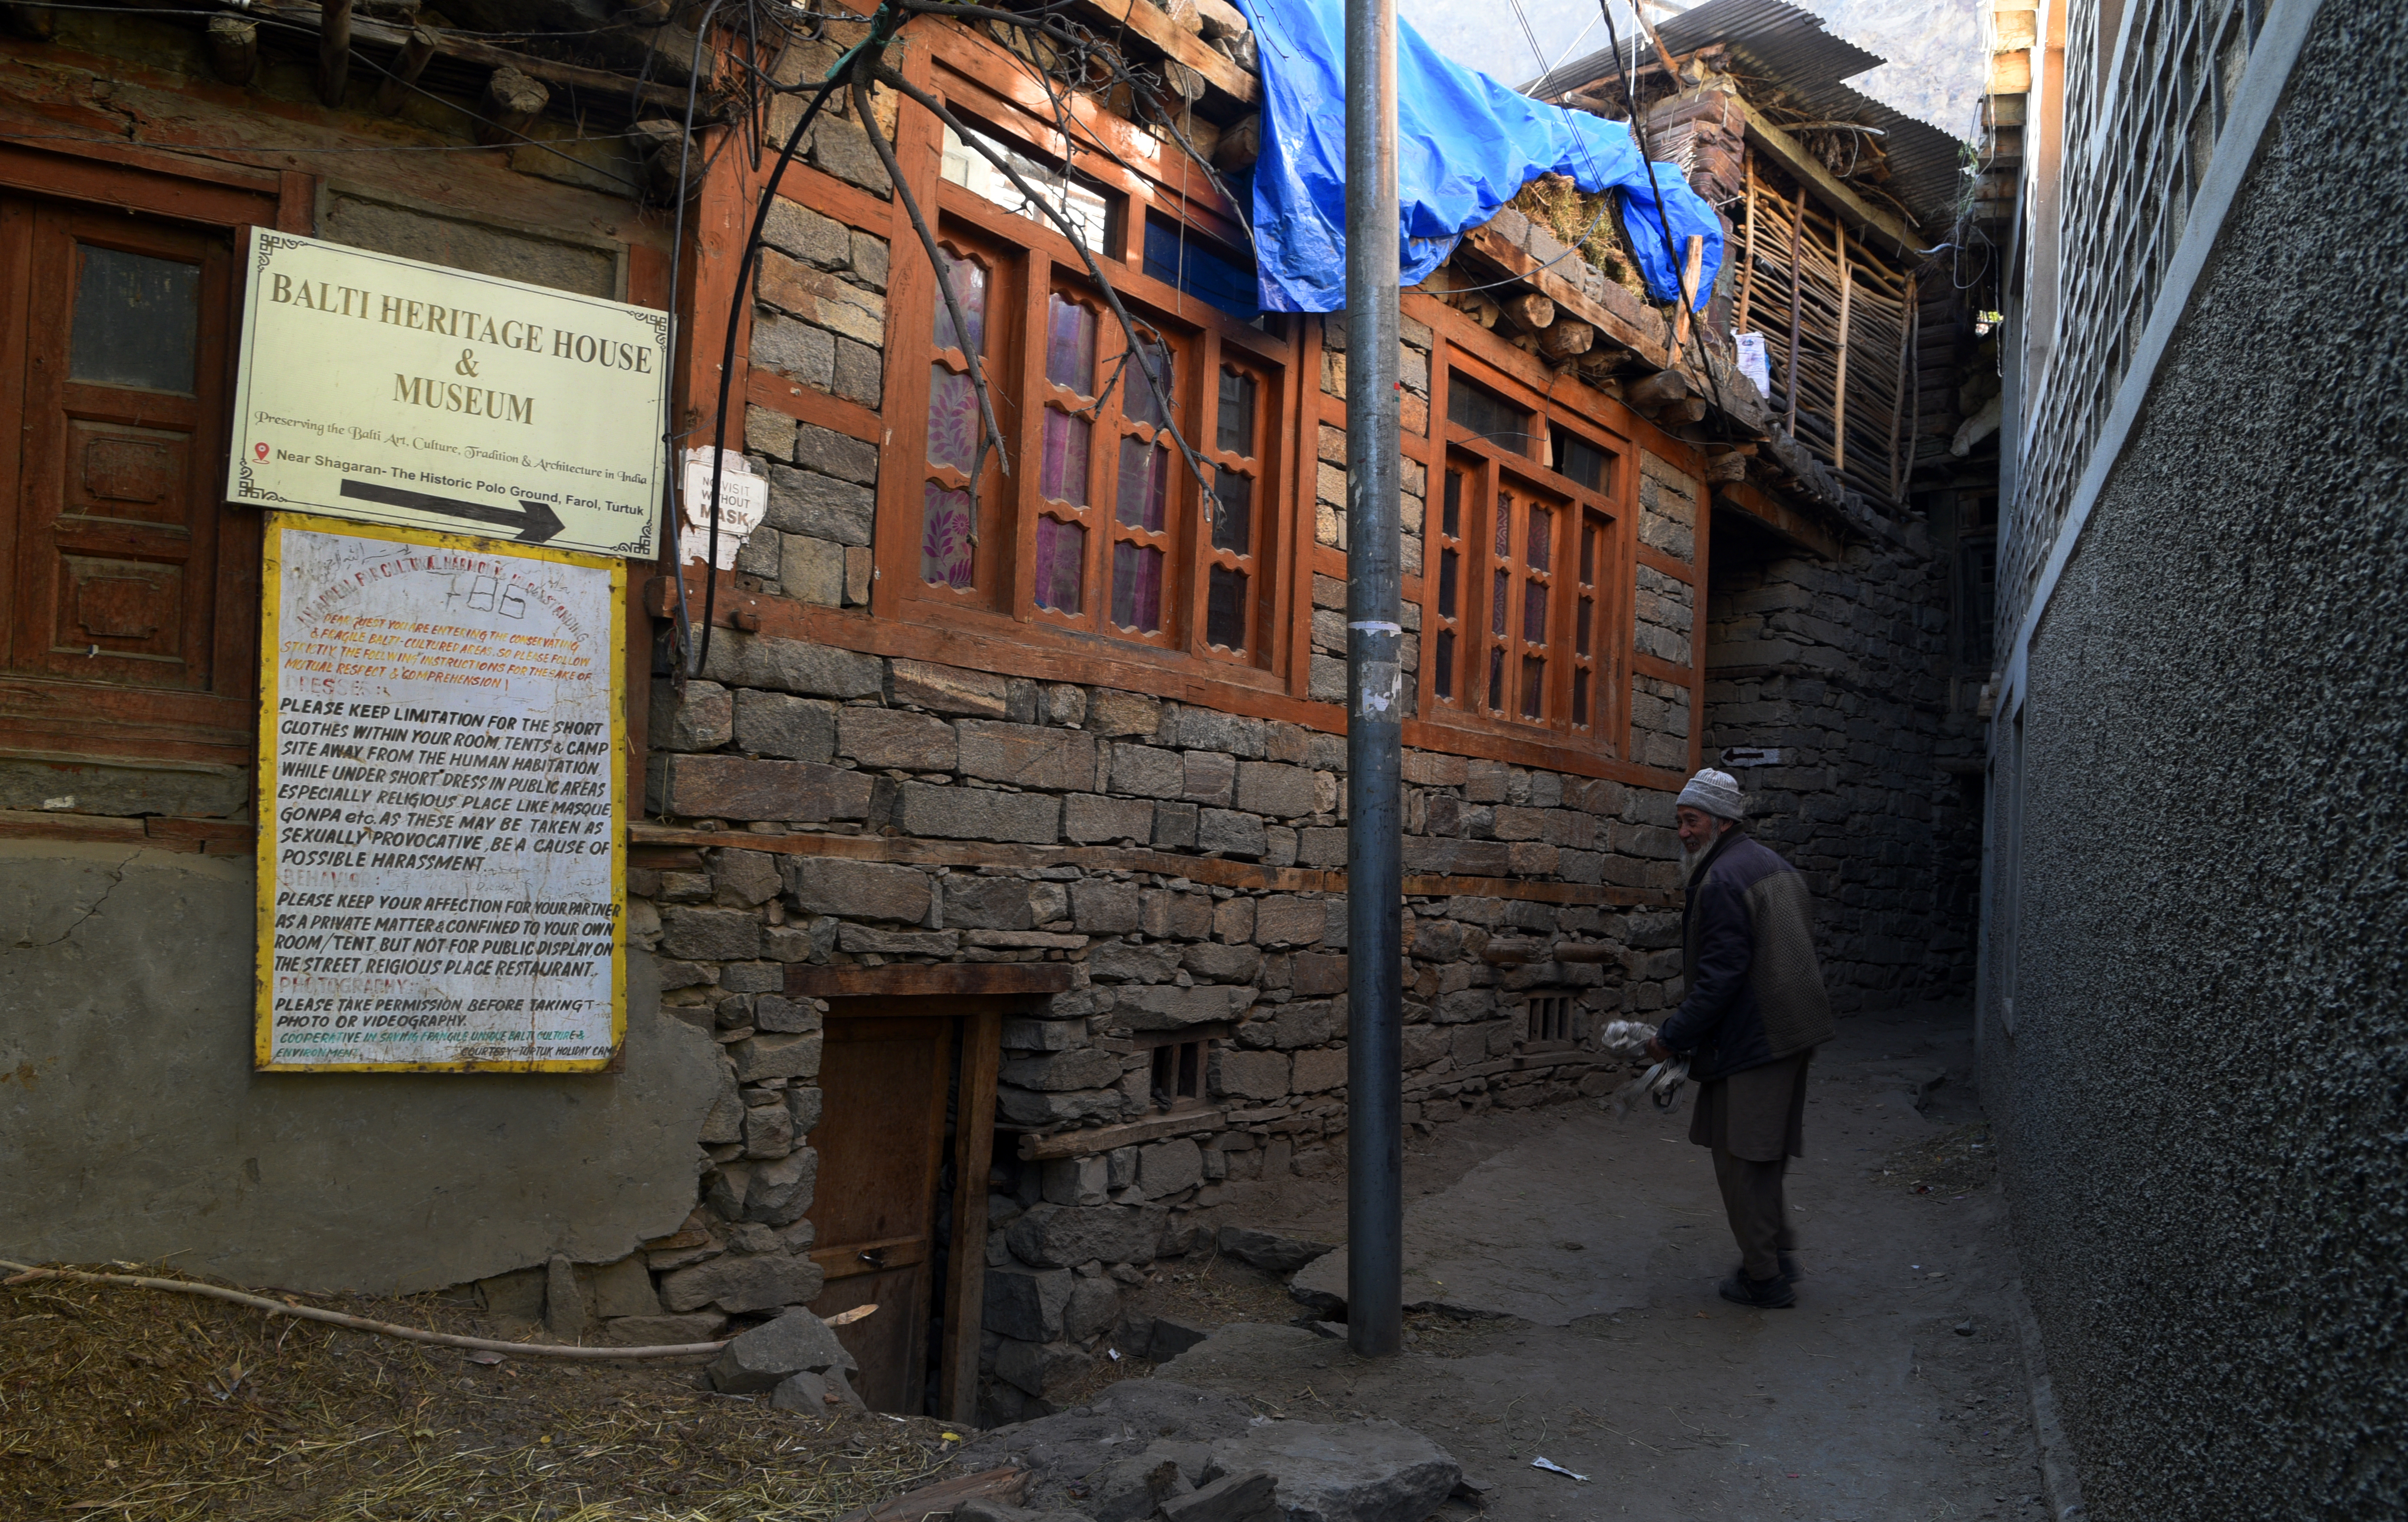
(1753, 1012)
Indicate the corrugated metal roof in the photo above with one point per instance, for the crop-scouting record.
(1790, 50)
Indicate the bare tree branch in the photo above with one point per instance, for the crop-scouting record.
(862, 73)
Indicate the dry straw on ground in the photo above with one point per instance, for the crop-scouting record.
(131, 1404)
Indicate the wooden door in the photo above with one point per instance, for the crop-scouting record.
(127, 590)
(883, 1082)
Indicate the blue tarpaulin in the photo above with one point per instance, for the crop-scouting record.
(1465, 145)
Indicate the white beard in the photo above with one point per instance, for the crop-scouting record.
(1690, 859)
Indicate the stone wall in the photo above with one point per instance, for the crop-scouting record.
(1844, 668)
(1186, 895)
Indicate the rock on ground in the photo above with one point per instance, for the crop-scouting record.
(1151, 1444)
(762, 1359)
(1268, 1250)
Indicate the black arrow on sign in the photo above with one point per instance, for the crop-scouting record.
(535, 521)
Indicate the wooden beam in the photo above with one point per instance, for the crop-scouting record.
(234, 49)
(1746, 248)
(1808, 170)
(408, 64)
(920, 980)
(973, 1155)
(1760, 506)
(334, 51)
(1234, 84)
(1083, 1144)
(1839, 385)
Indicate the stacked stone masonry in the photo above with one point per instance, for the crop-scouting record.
(1844, 669)
(783, 739)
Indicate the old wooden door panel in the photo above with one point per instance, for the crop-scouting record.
(127, 591)
(880, 1140)
(119, 549)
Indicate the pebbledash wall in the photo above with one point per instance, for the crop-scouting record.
(2192, 1028)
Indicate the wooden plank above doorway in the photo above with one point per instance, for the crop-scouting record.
(917, 979)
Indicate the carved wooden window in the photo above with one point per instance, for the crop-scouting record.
(1102, 525)
(1522, 617)
(953, 532)
(1239, 517)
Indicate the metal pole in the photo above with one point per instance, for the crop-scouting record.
(1375, 693)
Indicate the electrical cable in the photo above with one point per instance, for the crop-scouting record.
(883, 23)
(675, 547)
(1679, 275)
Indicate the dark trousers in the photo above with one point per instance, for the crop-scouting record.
(1754, 1123)
(1759, 1218)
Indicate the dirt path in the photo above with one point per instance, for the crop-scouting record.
(1577, 1257)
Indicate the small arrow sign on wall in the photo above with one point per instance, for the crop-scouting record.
(534, 520)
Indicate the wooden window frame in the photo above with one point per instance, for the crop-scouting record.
(1487, 470)
(985, 82)
(1033, 263)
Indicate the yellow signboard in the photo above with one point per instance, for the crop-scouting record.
(387, 390)
(442, 804)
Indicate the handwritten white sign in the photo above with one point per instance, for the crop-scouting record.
(441, 834)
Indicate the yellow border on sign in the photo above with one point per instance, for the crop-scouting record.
(270, 646)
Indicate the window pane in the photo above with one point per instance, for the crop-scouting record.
(1237, 426)
(1579, 698)
(1233, 512)
(1225, 608)
(1070, 345)
(1451, 522)
(1178, 256)
(946, 554)
(1580, 622)
(1074, 196)
(1496, 679)
(952, 419)
(1139, 404)
(1137, 587)
(1498, 588)
(1579, 458)
(1141, 500)
(970, 285)
(1490, 416)
(1534, 685)
(1062, 469)
(1061, 564)
(1504, 526)
(137, 321)
(1534, 613)
(1446, 577)
(1589, 555)
(1539, 548)
(1444, 677)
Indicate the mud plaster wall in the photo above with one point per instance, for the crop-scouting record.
(2201, 1100)
(132, 1125)
(1844, 668)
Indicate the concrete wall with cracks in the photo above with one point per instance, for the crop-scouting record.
(2201, 1078)
(132, 1125)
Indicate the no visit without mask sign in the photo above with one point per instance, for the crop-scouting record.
(387, 390)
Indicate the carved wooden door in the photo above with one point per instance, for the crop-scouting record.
(131, 590)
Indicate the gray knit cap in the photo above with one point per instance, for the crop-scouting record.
(1715, 793)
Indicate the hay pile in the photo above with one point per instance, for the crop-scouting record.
(1557, 205)
(138, 1406)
